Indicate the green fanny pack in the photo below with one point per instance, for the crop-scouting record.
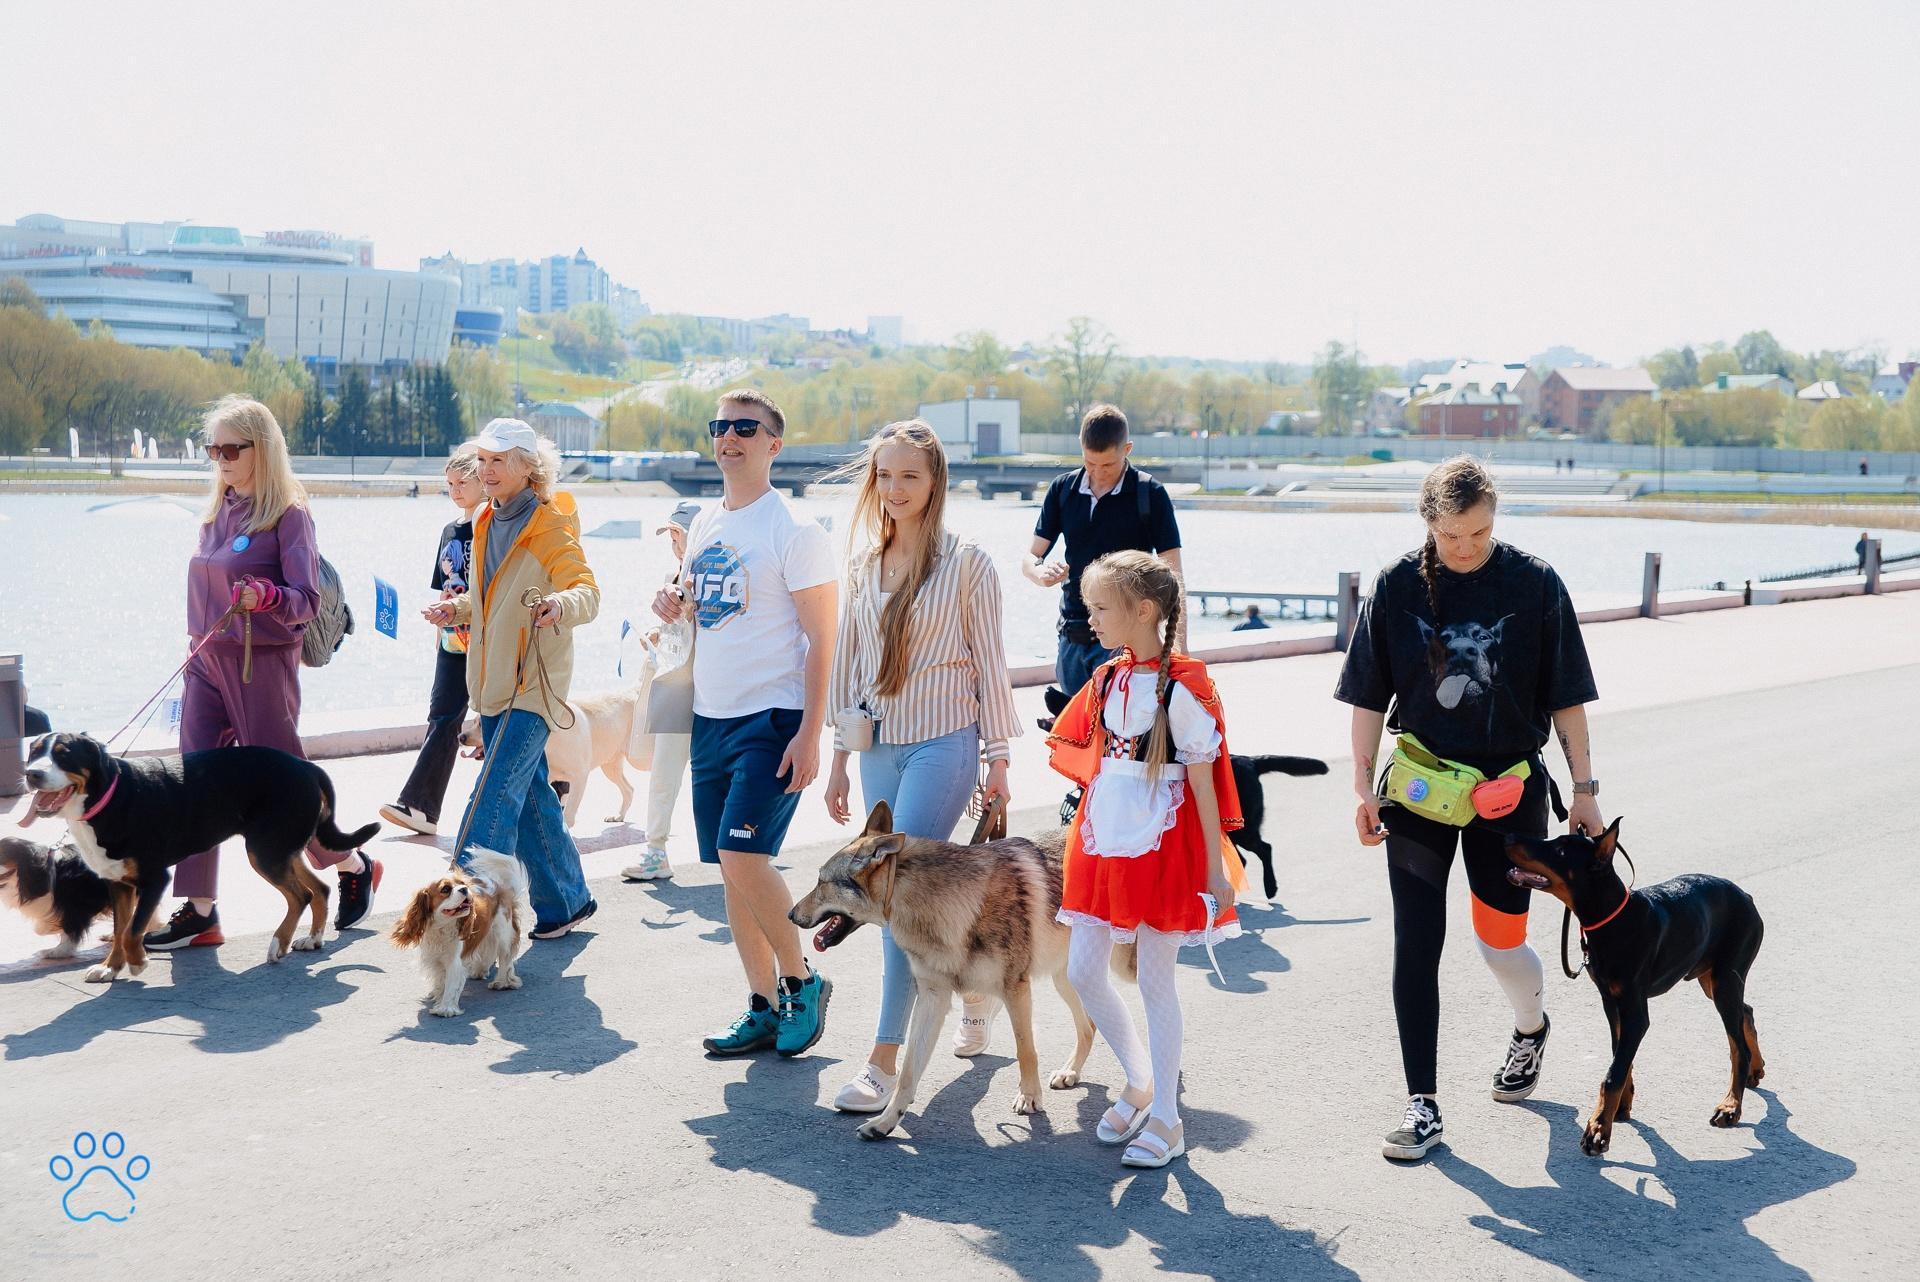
(1450, 792)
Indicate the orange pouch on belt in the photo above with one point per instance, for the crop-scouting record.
(1497, 798)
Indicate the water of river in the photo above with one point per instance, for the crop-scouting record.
(92, 588)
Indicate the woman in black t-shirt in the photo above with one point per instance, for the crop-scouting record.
(1471, 646)
(419, 805)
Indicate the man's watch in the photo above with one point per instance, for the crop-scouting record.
(1586, 787)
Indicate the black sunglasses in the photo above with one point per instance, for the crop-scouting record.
(228, 453)
(744, 428)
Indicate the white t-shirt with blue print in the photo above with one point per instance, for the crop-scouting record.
(742, 569)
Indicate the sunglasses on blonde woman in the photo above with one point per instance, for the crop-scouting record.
(228, 453)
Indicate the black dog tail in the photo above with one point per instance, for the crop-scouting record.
(329, 833)
(1288, 765)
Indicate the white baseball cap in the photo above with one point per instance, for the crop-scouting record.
(503, 434)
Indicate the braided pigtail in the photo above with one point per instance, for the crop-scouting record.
(1429, 575)
(1160, 740)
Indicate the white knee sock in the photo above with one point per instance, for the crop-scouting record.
(1522, 977)
(1159, 958)
(1088, 954)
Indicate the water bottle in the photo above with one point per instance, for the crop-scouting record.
(676, 639)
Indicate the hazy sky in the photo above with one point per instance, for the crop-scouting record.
(1243, 180)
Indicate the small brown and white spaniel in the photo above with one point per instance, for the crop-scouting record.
(467, 923)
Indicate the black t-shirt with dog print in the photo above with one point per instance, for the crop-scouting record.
(1513, 655)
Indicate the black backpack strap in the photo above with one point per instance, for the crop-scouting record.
(1141, 506)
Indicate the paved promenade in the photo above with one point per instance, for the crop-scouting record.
(311, 1118)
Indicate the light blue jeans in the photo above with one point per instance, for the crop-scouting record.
(926, 785)
(519, 815)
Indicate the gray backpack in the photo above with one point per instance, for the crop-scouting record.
(330, 623)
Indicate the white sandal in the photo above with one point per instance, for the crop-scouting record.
(1152, 1150)
(1129, 1123)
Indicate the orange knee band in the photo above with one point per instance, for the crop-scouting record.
(1497, 929)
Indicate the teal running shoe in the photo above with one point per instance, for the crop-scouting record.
(755, 1030)
(803, 1012)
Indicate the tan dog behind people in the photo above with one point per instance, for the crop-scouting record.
(608, 733)
(971, 919)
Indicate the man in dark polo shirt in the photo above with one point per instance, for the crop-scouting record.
(1105, 506)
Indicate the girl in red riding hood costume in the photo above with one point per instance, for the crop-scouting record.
(1148, 861)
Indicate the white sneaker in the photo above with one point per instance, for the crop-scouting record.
(867, 1093)
(652, 866)
(976, 1026)
(408, 817)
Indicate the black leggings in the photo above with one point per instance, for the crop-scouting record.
(1419, 857)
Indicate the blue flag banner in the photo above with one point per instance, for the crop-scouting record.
(620, 660)
(173, 707)
(386, 608)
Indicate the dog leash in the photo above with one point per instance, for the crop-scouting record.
(533, 599)
(1566, 921)
(268, 594)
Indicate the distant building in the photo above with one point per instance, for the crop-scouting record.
(1467, 411)
(1825, 390)
(627, 306)
(1891, 383)
(887, 332)
(211, 289)
(571, 428)
(976, 427)
(1488, 379)
(1574, 399)
(1752, 382)
(1387, 409)
(750, 335)
(540, 285)
(479, 326)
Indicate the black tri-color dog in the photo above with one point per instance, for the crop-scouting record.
(1639, 944)
(133, 819)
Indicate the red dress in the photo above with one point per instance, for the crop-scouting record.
(1136, 854)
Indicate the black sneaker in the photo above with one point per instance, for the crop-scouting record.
(1521, 1073)
(187, 928)
(542, 931)
(1419, 1131)
(356, 893)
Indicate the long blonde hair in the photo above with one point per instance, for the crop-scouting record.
(874, 527)
(275, 488)
(1142, 576)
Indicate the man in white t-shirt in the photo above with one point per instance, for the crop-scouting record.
(762, 584)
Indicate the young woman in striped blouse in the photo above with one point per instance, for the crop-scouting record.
(919, 652)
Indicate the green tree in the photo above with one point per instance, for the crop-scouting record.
(1342, 382)
(979, 354)
(280, 385)
(15, 292)
(1714, 364)
(1759, 352)
(1079, 359)
(482, 381)
(1675, 370)
(347, 426)
(1847, 423)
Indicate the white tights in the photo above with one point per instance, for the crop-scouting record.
(1088, 956)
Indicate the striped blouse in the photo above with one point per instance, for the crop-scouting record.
(958, 673)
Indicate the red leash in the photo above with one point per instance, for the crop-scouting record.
(269, 594)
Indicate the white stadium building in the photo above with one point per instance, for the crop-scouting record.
(304, 294)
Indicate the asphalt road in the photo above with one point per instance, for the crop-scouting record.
(310, 1119)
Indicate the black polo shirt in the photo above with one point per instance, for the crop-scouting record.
(1118, 521)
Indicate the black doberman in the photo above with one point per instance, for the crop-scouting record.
(1640, 943)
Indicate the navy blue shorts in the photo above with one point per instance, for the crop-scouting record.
(739, 803)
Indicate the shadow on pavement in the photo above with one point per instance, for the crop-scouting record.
(237, 1010)
(707, 903)
(1584, 1221)
(557, 1028)
(1040, 1203)
(1245, 959)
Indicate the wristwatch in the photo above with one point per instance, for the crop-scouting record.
(1586, 787)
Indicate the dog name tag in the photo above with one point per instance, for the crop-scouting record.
(241, 543)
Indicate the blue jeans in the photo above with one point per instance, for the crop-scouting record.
(926, 785)
(1074, 662)
(519, 814)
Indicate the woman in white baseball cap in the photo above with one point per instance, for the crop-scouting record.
(529, 588)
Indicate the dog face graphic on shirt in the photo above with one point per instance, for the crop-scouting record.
(1472, 667)
(718, 581)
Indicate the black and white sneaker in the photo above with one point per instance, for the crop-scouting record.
(542, 930)
(356, 892)
(186, 929)
(1521, 1073)
(1419, 1131)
